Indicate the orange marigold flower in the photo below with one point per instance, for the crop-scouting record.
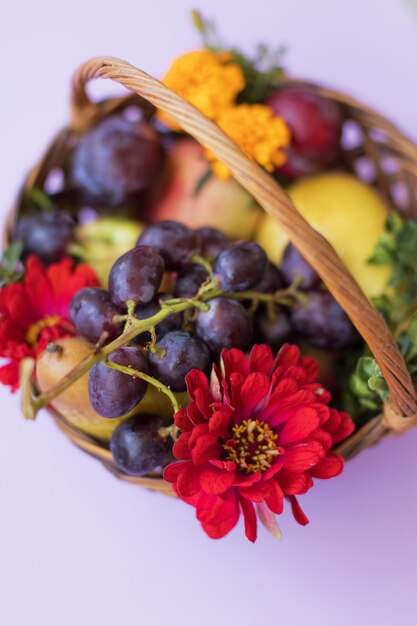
(207, 80)
(261, 135)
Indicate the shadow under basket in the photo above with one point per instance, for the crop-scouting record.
(372, 147)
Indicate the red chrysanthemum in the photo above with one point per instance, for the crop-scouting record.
(257, 433)
(34, 312)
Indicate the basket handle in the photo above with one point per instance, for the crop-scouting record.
(275, 201)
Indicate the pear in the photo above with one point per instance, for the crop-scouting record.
(74, 403)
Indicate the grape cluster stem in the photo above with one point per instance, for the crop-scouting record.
(33, 402)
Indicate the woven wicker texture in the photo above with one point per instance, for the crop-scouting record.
(393, 161)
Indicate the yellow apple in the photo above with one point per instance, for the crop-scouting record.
(348, 213)
(74, 403)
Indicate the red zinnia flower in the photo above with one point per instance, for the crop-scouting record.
(259, 432)
(34, 312)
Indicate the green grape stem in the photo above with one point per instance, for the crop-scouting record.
(32, 403)
(149, 379)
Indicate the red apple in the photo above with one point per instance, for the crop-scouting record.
(222, 204)
(316, 125)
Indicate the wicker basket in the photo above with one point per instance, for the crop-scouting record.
(394, 161)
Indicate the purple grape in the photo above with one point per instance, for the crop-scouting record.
(275, 331)
(189, 281)
(112, 393)
(92, 312)
(136, 276)
(46, 234)
(240, 266)
(137, 447)
(175, 242)
(225, 325)
(295, 266)
(271, 280)
(323, 323)
(117, 161)
(183, 352)
(212, 242)
(173, 322)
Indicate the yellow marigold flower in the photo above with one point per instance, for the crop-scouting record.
(208, 80)
(259, 133)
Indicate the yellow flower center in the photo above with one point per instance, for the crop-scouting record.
(252, 446)
(34, 330)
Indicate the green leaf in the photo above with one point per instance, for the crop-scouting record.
(262, 73)
(12, 254)
(202, 181)
(40, 198)
(412, 330)
(368, 385)
(11, 268)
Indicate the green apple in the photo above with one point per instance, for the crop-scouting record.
(101, 242)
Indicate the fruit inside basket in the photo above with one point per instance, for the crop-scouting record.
(211, 283)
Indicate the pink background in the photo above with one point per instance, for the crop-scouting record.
(78, 547)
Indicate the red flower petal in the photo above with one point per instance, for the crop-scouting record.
(218, 514)
(254, 394)
(229, 466)
(188, 483)
(333, 422)
(219, 423)
(172, 471)
(258, 491)
(216, 481)
(294, 484)
(325, 439)
(20, 310)
(205, 448)
(261, 359)
(274, 469)
(311, 368)
(345, 429)
(246, 480)
(275, 499)
(181, 449)
(298, 512)
(198, 390)
(288, 356)
(299, 426)
(234, 361)
(249, 516)
(182, 421)
(195, 415)
(302, 457)
(280, 408)
(329, 467)
(9, 375)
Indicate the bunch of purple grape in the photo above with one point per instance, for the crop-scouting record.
(240, 271)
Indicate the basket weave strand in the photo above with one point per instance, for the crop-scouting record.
(276, 202)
